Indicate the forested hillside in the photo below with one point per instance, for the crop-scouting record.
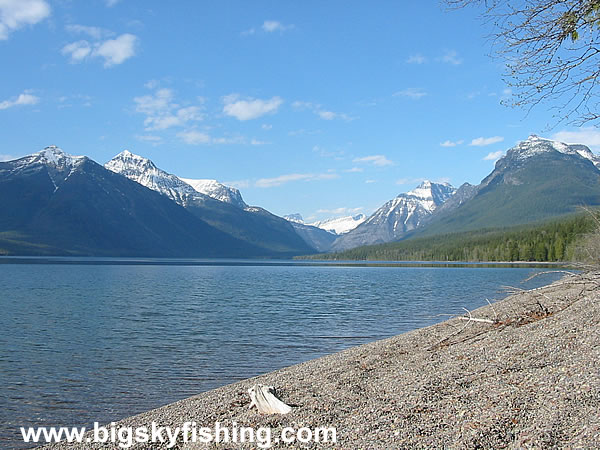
(550, 241)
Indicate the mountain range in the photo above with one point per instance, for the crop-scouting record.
(537, 179)
(58, 204)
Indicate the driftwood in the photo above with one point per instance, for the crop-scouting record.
(263, 397)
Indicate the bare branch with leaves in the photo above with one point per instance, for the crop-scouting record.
(552, 53)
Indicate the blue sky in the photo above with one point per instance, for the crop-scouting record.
(322, 108)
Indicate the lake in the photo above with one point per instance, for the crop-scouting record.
(84, 340)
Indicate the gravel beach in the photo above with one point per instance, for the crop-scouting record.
(528, 376)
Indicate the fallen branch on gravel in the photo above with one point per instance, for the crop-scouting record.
(263, 397)
(469, 320)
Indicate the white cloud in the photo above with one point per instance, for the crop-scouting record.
(414, 93)
(114, 51)
(162, 112)
(250, 108)
(77, 51)
(239, 184)
(283, 179)
(149, 138)
(15, 14)
(370, 181)
(451, 57)
(4, 158)
(23, 99)
(327, 115)
(93, 32)
(448, 143)
(319, 111)
(266, 126)
(301, 105)
(589, 136)
(194, 137)
(493, 156)
(111, 3)
(376, 160)
(270, 26)
(416, 59)
(354, 170)
(117, 51)
(482, 141)
(257, 142)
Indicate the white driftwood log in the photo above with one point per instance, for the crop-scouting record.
(264, 399)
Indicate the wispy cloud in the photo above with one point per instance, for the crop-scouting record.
(196, 137)
(411, 181)
(451, 57)
(589, 136)
(270, 26)
(111, 3)
(93, 32)
(4, 158)
(288, 178)
(318, 109)
(414, 93)
(355, 170)
(416, 59)
(493, 156)
(26, 98)
(250, 108)
(15, 14)
(239, 184)
(113, 51)
(376, 160)
(162, 112)
(483, 141)
(448, 143)
(149, 138)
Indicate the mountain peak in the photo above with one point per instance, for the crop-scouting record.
(55, 156)
(340, 225)
(435, 192)
(295, 217)
(217, 190)
(132, 159)
(536, 145)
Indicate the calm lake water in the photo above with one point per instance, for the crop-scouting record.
(99, 340)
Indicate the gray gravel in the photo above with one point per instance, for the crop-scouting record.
(531, 379)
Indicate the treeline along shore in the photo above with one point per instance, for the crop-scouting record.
(520, 373)
(554, 241)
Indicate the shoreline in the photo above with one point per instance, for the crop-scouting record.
(531, 378)
(133, 260)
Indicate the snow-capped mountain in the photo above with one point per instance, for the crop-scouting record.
(537, 179)
(340, 225)
(218, 191)
(336, 225)
(398, 216)
(54, 156)
(143, 171)
(60, 204)
(296, 218)
(272, 234)
(535, 145)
